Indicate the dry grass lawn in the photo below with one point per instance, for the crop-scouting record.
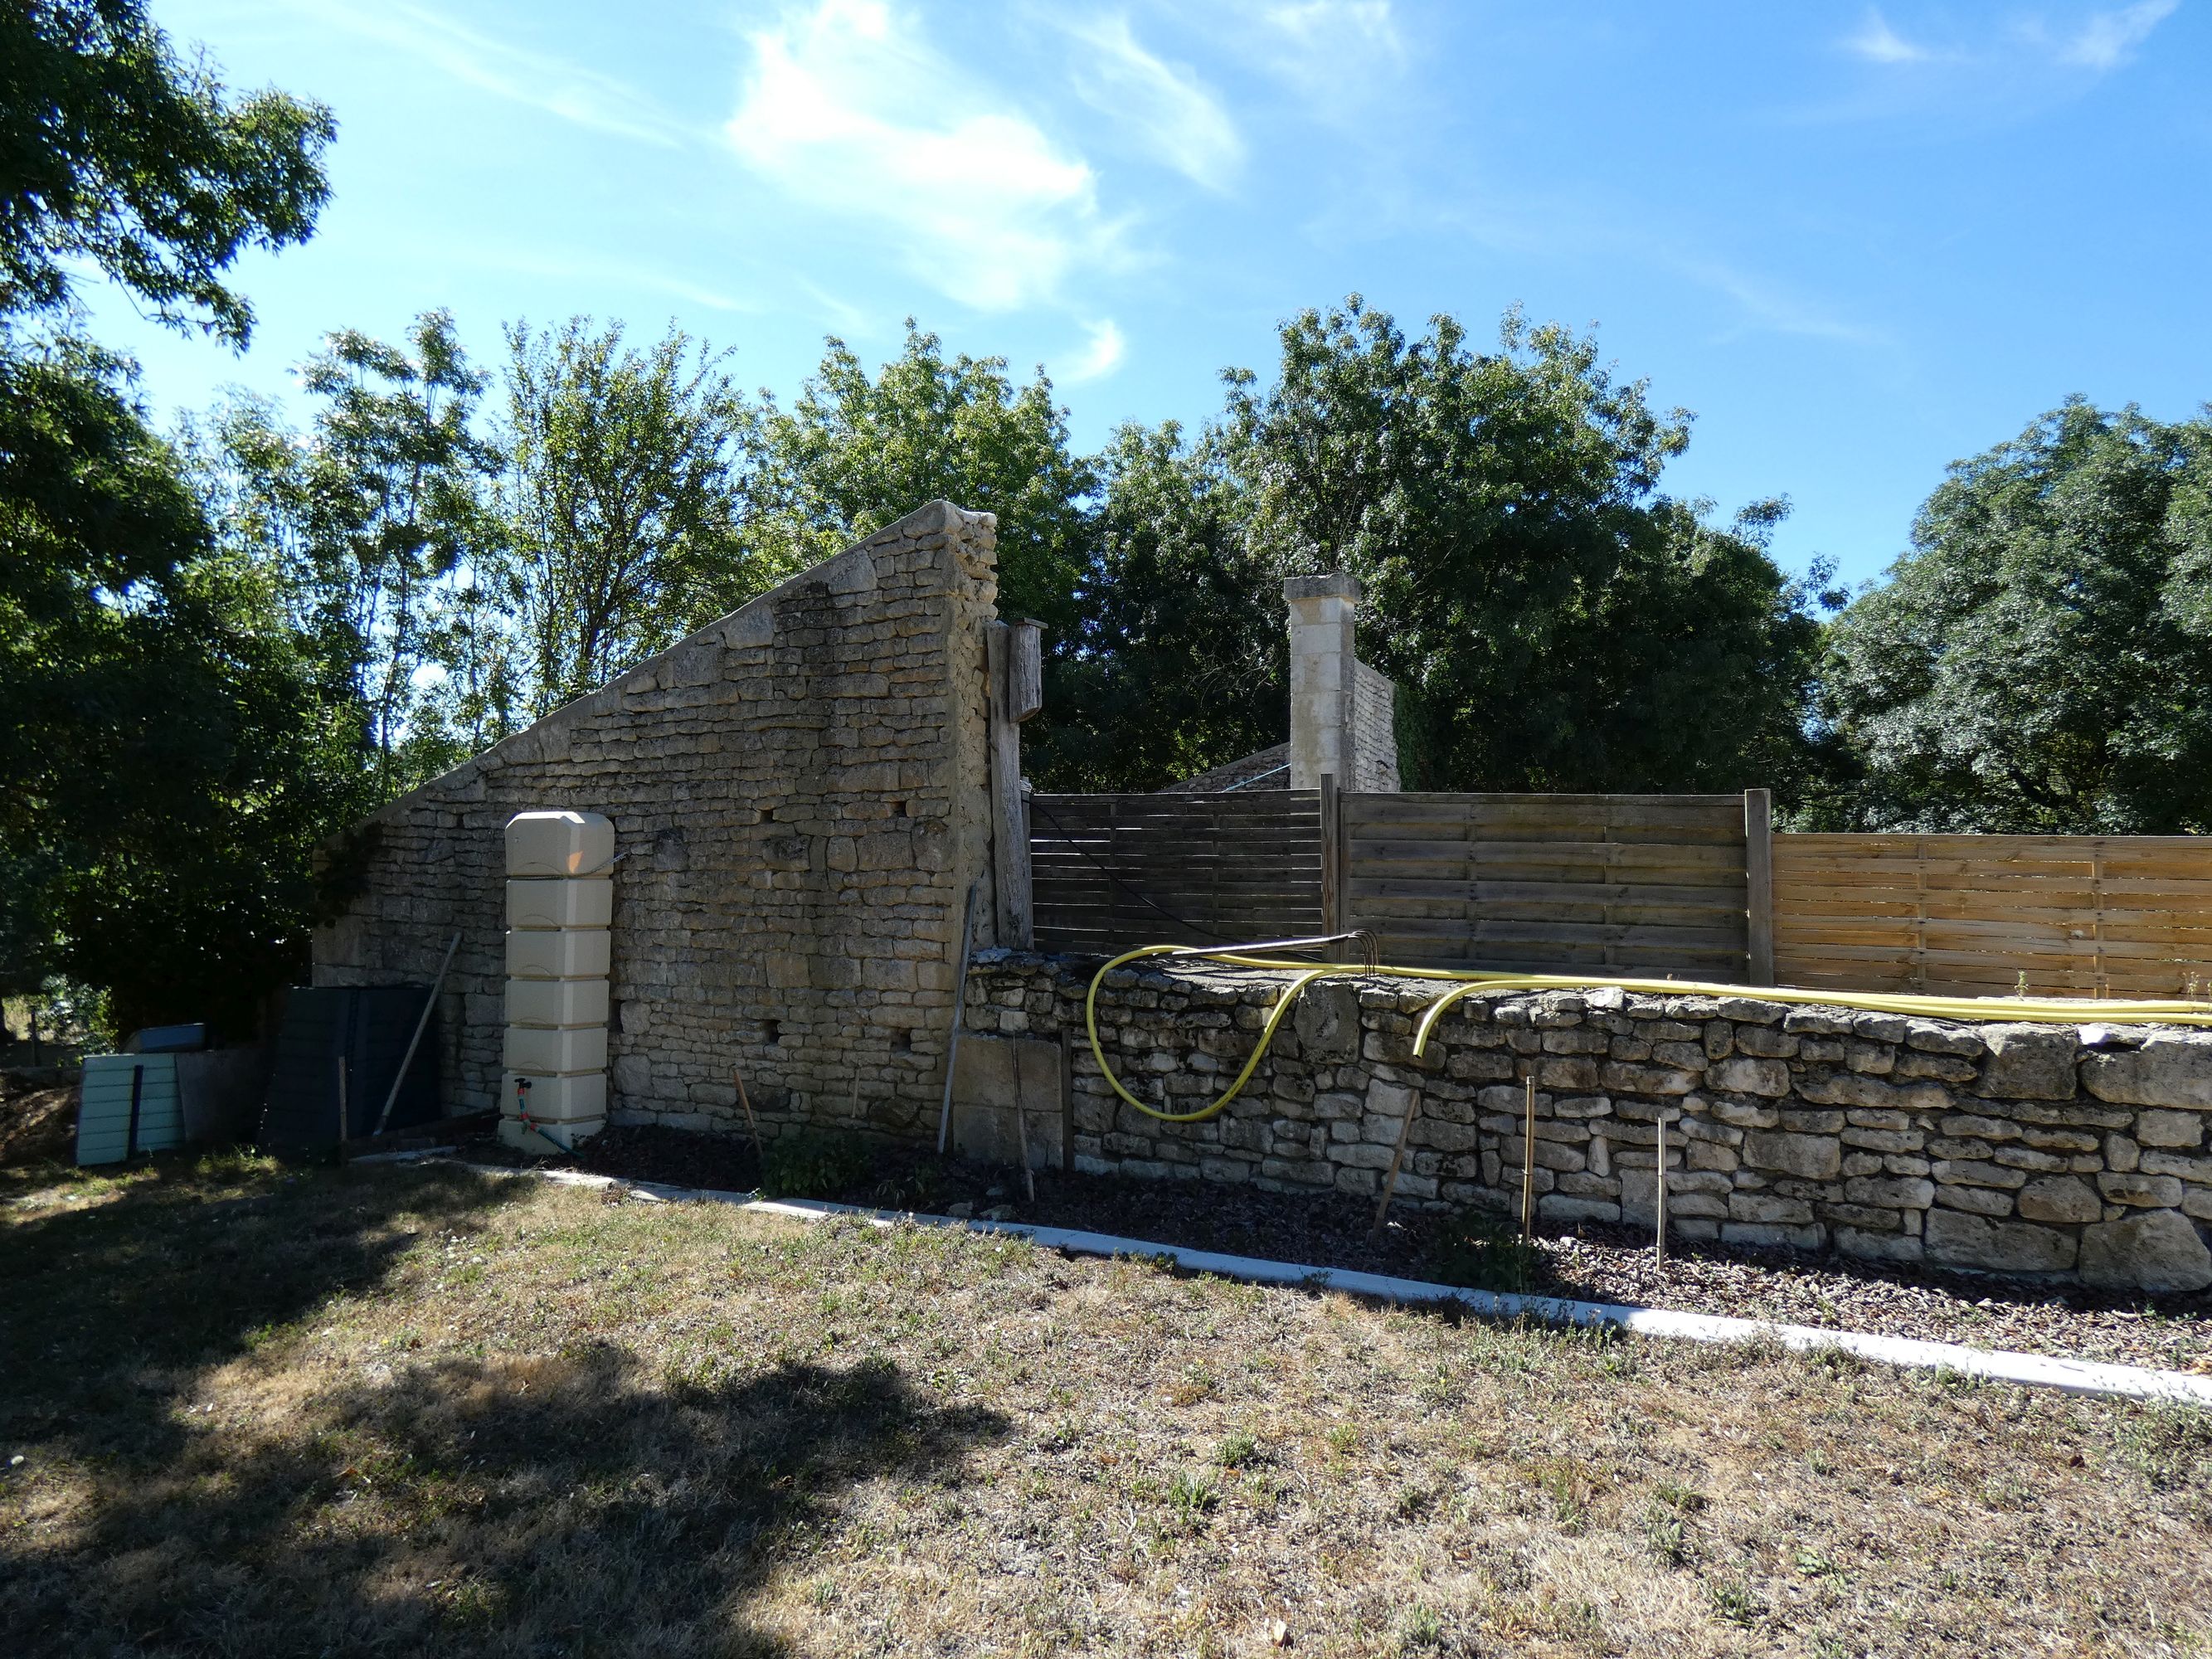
(417, 1411)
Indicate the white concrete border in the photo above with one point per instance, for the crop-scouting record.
(2027, 1369)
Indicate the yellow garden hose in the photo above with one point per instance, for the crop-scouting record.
(2057, 1011)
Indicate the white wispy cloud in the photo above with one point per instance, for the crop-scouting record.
(1317, 41)
(848, 109)
(554, 85)
(1101, 357)
(1164, 106)
(1878, 42)
(2101, 40)
(2109, 39)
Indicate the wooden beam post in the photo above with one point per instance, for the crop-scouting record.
(1759, 885)
(1332, 856)
(1014, 657)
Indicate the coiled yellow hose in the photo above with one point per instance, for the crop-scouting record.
(2056, 1011)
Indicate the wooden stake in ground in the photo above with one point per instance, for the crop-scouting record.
(1659, 1189)
(1528, 1166)
(959, 1012)
(1398, 1157)
(1022, 1127)
(343, 1124)
(738, 1078)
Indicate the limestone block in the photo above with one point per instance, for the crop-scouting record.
(633, 1075)
(2029, 1062)
(1813, 1157)
(1878, 1246)
(1764, 1207)
(556, 1002)
(558, 843)
(1616, 1077)
(1957, 1240)
(2159, 1251)
(2121, 1154)
(2060, 1197)
(2164, 1072)
(2158, 1127)
(558, 953)
(1772, 1236)
(1747, 1074)
(2149, 1191)
(1975, 1201)
(556, 901)
(1890, 1193)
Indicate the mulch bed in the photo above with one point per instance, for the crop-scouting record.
(1589, 1261)
(37, 1114)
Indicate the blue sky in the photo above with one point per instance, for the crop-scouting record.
(1859, 242)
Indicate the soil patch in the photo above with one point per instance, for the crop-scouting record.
(38, 1115)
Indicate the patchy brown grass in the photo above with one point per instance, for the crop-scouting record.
(424, 1411)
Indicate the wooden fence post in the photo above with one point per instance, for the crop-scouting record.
(1759, 885)
(1332, 856)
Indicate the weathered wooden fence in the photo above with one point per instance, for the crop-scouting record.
(1972, 915)
(1686, 886)
(1108, 871)
(1634, 884)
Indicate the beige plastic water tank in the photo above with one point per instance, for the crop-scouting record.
(544, 1048)
(554, 901)
(556, 1099)
(558, 953)
(558, 844)
(556, 1002)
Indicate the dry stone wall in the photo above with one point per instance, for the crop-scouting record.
(2071, 1152)
(800, 802)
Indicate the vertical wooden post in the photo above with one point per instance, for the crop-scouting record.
(1332, 856)
(1659, 1195)
(1759, 885)
(1014, 659)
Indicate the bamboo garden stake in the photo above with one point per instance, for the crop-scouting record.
(1528, 1166)
(1659, 1244)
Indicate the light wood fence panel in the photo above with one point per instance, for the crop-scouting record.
(1969, 915)
(1633, 884)
(1110, 871)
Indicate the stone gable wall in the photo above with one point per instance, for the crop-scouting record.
(2076, 1151)
(799, 802)
(1374, 731)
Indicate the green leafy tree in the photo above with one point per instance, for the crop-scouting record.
(117, 152)
(379, 521)
(622, 500)
(1553, 621)
(159, 739)
(853, 454)
(1178, 660)
(2037, 663)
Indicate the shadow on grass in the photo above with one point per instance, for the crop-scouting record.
(559, 1504)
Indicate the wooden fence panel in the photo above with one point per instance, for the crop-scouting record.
(1970, 915)
(1110, 871)
(1632, 884)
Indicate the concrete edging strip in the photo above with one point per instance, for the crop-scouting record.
(1996, 1365)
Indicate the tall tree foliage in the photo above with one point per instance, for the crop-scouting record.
(622, 500)
(1177, 658)
(378, 521)
(1553, 622)
(2037, 663)
(853, 453)
(162, 741)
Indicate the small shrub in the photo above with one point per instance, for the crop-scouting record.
(813, 1165)
(1239, 1450)
(1194, 1498)
(1484, 1253)
(1420, 1630)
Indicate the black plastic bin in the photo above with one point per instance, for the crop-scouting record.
(366, 1029)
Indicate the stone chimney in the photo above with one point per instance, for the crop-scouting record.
(1342, 712)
